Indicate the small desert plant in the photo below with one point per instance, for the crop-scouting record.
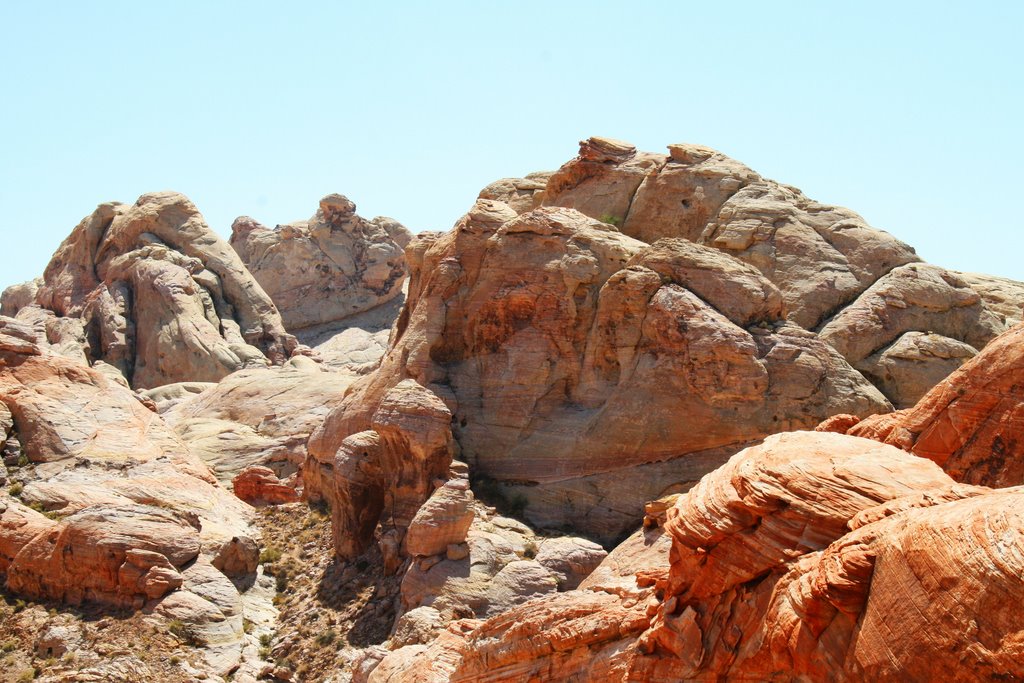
(16, 488)
(265, 640)
(611, 219)
(22, 460)
(530, 550)
(270, 555)
(175, 661)
(326, 638)
(28, 675)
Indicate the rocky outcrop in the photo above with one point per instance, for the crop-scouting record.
(89, 446)
(121, 556)
(17, 297)
(859, 286)
(521, 194)
(160, 296)
(970, 422)
(832, 558)
(812, 556)
(260, 416)
(258, 485)
(108, 508)
(382, 475)
(820, 257)
(327, 268)
(576, 360)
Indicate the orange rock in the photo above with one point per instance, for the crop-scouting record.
(575, 358)
(972, 422)
(259, 485)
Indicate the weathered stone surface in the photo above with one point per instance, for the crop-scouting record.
(567, 350)
(383, 474)
(820, 257)
(970, 423)
(259, 485)
(767, 575)
(123, 555)
(916, 297)
(570, 559)
(1002, 296)
(327, 268)
(162, 297)
(260, 416)
(441, 521)
(17, 297)
(909, 367)
(89, 441)
(798, 559)
(521, 194)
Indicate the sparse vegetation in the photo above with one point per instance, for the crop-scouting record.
(611, 219)
(269, 555)
(16, 488)
(326, 638)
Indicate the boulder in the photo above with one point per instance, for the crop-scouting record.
(327, 268)
(970, 422)
(259, 485)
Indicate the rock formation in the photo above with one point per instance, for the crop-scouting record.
(822, 258)
(970, 423)
(327, 268)
(577, 360)
(621, 349)
(797, 559)
(107, 506)
(160, 297)
(259, 416)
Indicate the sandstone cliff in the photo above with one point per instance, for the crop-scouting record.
(587, 372)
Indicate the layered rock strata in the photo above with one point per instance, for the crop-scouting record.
(971, 423)
(812, 556)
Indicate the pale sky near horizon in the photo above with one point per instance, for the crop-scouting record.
(908, 113)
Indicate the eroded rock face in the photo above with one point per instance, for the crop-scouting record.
(327, 268)
(259, 416)
(970, 422)
(122, 556)
(814, 556)
(819, 256)
(576, 358)
(917, 297)
(385, 473)
(17, 297)
(109, 468)
(860, 287)
(161, 297)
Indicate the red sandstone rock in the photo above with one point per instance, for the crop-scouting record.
(259, 485)
(814, 556)
(575, 358)
(971, 422)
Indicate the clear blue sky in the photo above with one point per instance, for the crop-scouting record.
(909, 113)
